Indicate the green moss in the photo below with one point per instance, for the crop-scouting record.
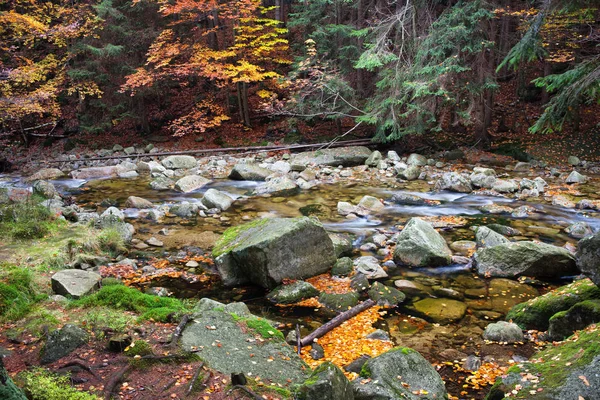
(101, 319)
(365, 372)
(536, 313)
(111, 241)
(226, 240)
(40, 384)
(263, 328)
(139, 348)
(119, 297)
(26, 220)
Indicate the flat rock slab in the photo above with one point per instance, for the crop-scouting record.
(191, 182)
(75, 282)
(229, 344)
(345, 156)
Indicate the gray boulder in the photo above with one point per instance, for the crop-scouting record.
(161, 183)
(278, 186)
(522, 167)
(563, 324)
(454, 182)
(525, 258)
(576, 177)
(579, 230)
(344, 156)
(374, 159)
(482, 180)
(369, 267)
(95, 172)
(416, 159)
(411, 173)
(574, 161)
(268, 250)
(137, 202)
(342, 244)
(419, 379)
(588, 257)
(249, 172)
(113, 213)
(46, 174)
(216, 199)
(385, 296)
(45, 189)
(503, 331)
(62, 342)
(505, 186)
(190, 183)
(179, 162)
(369, 205)
(485, 237)
(419, 245)
(292, 293)
(184, 209)
(75, 282)
(327, 382)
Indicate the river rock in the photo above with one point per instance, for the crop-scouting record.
(504, 230)
(588, 257)
(576, 177)
(249, 172)
(283, 167)
(412, 288)
(454, 182)
(419, 245)
(268, 250)
(46, 174)
(45, 189)
(235, 331)
(75, 282)
(339, 302)
(443, 311)
(587, 204)
(343, 267)
(179, 162)
(137, 202)
(344, 208)
(562, 201)
(369, 205)
(342, 244)
(411, 173)
(292, 293)
(539, 260)
(184, 209)
(216, 199)
(190, 183)
(503, 331)
(369, 266)
(385, 296)
(574, 161)
(62, 342)
(417, 376)
(505, 186)
(464, 247)
(482, 180)
(113, 212)
(327, 382)
(486, 237)
(373, 159)
(344, 156)
(95, 172)
(579, 230)
(408, 199)
(416, 159)
(161, 183)
(522, 167)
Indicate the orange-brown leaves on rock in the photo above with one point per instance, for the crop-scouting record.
(347, 342)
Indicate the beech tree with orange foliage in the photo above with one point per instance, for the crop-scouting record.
(226, 45)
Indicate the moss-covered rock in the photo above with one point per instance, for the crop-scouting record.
(339, 302)
(401, 373)
(292, 293)
(327, 382)
(62, 342)
(343, 267)
(588, 257)
(568, 370)
(536, 313)
(266, 251)
(8, 389)
(386, 296)
(564, 323)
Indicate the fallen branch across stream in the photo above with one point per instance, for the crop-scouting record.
(337, 321)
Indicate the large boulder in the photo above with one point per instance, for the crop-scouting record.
(46, 174)
(249, 172)
(416, 159)
(268, 250)
(62, 342)
(8, 389)
(540, 260)
(400, 373)
(588, 257)
(536, 313)
(419, 245)
(179, 162)
(567, 370)
(454, 182)
(580, 316)
(75, 282)
(278, 186)
(231, 340)
(327, 382)
(216, 199)
(345, 156)
(45, 189)
(292, 293)
(190, 183)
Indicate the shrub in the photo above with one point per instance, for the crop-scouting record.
(26, 220)
(17, 295)
(111, 241)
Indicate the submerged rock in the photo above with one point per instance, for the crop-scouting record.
(525, 258)
(419, 245)
(442, 311)
(266, 251)
(419, 379)
(579, 230)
